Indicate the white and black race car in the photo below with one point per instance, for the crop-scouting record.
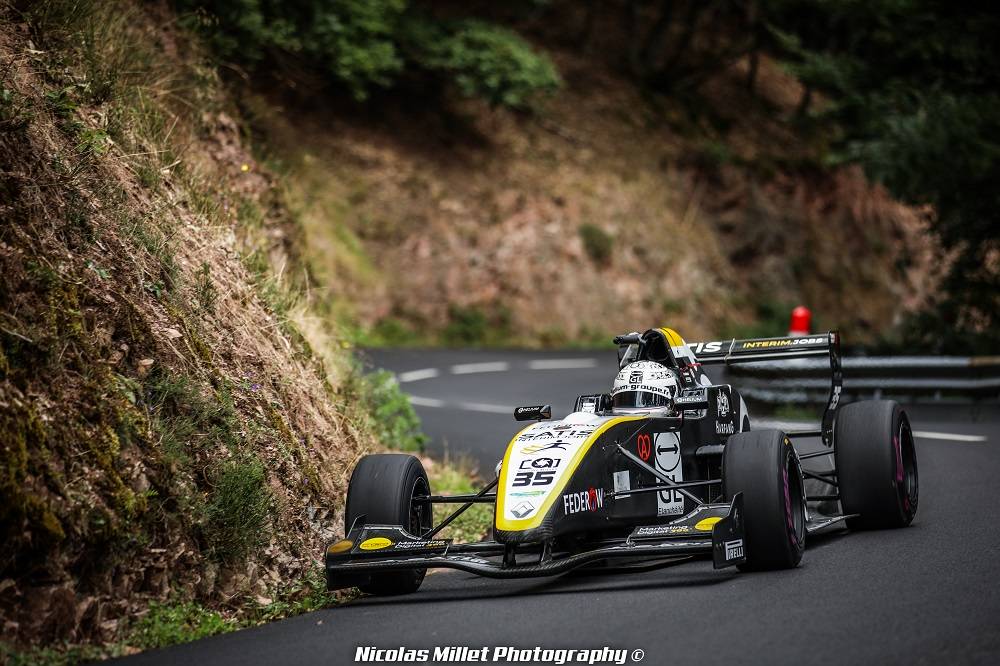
(666, 464)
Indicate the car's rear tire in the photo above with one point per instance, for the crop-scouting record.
(382, 489)
(763, 466)
(876, 464)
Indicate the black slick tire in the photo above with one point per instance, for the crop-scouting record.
(876, 464)
(763, 466)
(382, 489)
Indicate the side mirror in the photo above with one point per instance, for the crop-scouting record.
(536, 413)
(597, 403)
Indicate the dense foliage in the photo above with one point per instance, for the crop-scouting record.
(909, 89)
(914, 88)
(906, 88)
(363, 44)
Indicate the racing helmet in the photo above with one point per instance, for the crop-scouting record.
(645, 385)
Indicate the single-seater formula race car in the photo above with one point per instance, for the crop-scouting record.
(666, 464)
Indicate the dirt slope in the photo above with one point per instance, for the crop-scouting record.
(166, 432)
(449, 221)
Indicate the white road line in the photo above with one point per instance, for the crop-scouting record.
(473, 368)
(562, 363)
(481, 407)
(769, 424)
(465, 406)
(923, 434)
(945, 435)
(425, 402)
(417, 375)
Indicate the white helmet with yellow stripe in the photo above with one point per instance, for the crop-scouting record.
(645, 385)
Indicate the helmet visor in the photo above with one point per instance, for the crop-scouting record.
(642, 399)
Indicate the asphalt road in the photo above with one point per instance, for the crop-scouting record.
(928, 594)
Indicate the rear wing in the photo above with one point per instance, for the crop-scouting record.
(766, 349)
(752, 350)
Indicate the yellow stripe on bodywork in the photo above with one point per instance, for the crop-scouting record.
(673, 337)
(530, 523)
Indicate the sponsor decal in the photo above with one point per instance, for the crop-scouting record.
(722, 404)
(706, 524)
(635, 377)
(523, 509)
(661, 390)
(375, 543)
(622, 483)
(786, 342)
(692, 395)
(835, 398)
(526, 493)
(734, 549)
(587, 500)
(538, 448)
(663, 530)
(531, 478)
(724, 428)
(540, 463)
(525, 410)
(578, 432)
(644, 446)
(717, 346)
(667, 447)
(537, 440)
(415, 545)
(706, 347)
(568, 431)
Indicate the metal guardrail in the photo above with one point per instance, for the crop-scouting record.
(916, 378)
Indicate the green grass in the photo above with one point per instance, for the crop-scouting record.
(15, 113)
(395, 423)
(54, 655)
(473, 326)
(598, 243)
(239, 510)
(394, 332)
(157, 245)
(184, 419)
(179, 621)
(457, 477)
(797, 413)
(304, 595)
(772, 319)
(204, 289)
(171, 624)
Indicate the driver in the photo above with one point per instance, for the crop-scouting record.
(645, 385)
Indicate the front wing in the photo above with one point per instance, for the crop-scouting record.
(370, 549)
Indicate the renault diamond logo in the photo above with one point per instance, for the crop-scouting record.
(522, 509)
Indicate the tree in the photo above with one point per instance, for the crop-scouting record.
(914, 90)
(365, 44)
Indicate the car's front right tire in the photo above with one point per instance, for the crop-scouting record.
(382, 489)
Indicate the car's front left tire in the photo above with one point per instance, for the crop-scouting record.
(876, 464)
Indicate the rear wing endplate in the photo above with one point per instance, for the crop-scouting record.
(753, 350)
